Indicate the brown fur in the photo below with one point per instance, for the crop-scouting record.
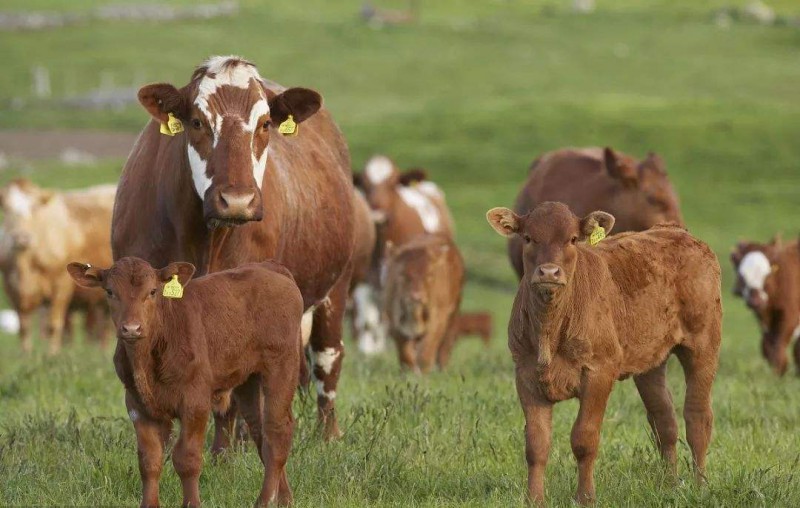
(779, 315)
(234, 331)
(474, 323)
(424, 279)
(36, 245)
(586, 316)
(302, 215)
(638, 193)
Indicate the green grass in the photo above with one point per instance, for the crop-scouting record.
(473, 93)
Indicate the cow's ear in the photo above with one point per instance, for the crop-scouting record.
(412, 176)
(594, 219)
(504, 221)
(654, 161)
(358, 180)
(301, 103)
(620, 169)
(85, 275)
(184, 271)
(160, 99)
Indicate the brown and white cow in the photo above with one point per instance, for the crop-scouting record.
(638, 193)
(422, 294)
(42, 230)
(290, 196)
(586, 316)
(235, 332)
(405, 205)
(768, 280)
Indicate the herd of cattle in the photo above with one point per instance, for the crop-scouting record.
(247, 186)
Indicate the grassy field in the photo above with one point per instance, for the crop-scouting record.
(473, 93)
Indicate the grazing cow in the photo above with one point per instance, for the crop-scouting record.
(42, 231)
(474, 323)
(189, 347)
(586, 316)
(768, 279)
(248, 171)
(638, 193)
(424, 279)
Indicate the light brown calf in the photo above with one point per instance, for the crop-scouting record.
(42, 230)
(587, 316)
(424, 279)
(233, 331)
(474, 323)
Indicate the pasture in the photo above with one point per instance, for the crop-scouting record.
(473, 92)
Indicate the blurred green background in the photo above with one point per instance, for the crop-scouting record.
(473, 91)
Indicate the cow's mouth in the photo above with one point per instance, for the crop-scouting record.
(214, 223)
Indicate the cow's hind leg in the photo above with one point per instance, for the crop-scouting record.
(224, 429)
(700, 367)
(657, 400)
(797, 356)
(327, 352)
(250, 402)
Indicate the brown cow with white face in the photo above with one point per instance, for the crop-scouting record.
(254, 155)
(585, 316)
(768, 280)
(638, 193)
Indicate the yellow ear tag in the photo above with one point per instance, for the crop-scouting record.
(173, 288)
(288, 127)
(165, 130)
(598, 234)
(175, 126)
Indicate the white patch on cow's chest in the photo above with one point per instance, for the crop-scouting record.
(754, 269)
(422, 204)
(18, 202)
(378, 169)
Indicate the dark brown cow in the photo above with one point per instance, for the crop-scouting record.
(586, 316)
(290, 195)
(424, 279)
(235, 331)
(768, 279)
(638, 193)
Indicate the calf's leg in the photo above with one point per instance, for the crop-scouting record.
(450, 338)
(657, 400)
(57, 315)
(797, 355)
(327, 353)
(224, 428)
(151, 437)
(538, 424)
(700, 367)
(25, 320)
(407, 353)
(187, 456)
(250, 401)
(585, 437)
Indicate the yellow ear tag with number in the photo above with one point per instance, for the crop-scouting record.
(172, 127)
(288, 127)
(598, 234)
(173, 288)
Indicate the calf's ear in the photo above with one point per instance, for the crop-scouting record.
(594, 219)
(412, 176)
(85, 275)
(160, 99)
(184, 271)
(620, 169)
(301, 103)
(504, 221)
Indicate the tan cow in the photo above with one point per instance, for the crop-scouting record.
(43, 230)
(638, 193)
(587, 316)
(768, 280)
(423, 283)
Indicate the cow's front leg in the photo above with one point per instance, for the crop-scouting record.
(538, 423)
(327, 352)
(58, 313)
(151, 437)
(187, 457)
(595, 389)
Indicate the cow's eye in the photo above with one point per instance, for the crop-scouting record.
(196, 123)
(266, 124)
(153, 292)
(573, 240)
(527, 238)
(109, 293)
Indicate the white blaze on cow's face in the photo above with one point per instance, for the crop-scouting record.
(232, 109)
(754, 270)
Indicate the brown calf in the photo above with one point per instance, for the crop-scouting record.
(768, 279)
(637, 193)
(424, 279)
(42, 230)
(233, 331)
(474, 323)
(586, 316)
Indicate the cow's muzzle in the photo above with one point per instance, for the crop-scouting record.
(231, 206)
(548, 275)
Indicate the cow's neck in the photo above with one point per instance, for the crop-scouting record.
(547, 316)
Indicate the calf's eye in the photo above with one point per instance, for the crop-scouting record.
(109, 293)
(153, 292)
(527, 238)
(573, 240)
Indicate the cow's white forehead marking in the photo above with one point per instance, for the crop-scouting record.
(378, 169)
(258, 110)
(754, 269)
(422, 204)
(198, 167)
(430, 188)
(18, 202)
